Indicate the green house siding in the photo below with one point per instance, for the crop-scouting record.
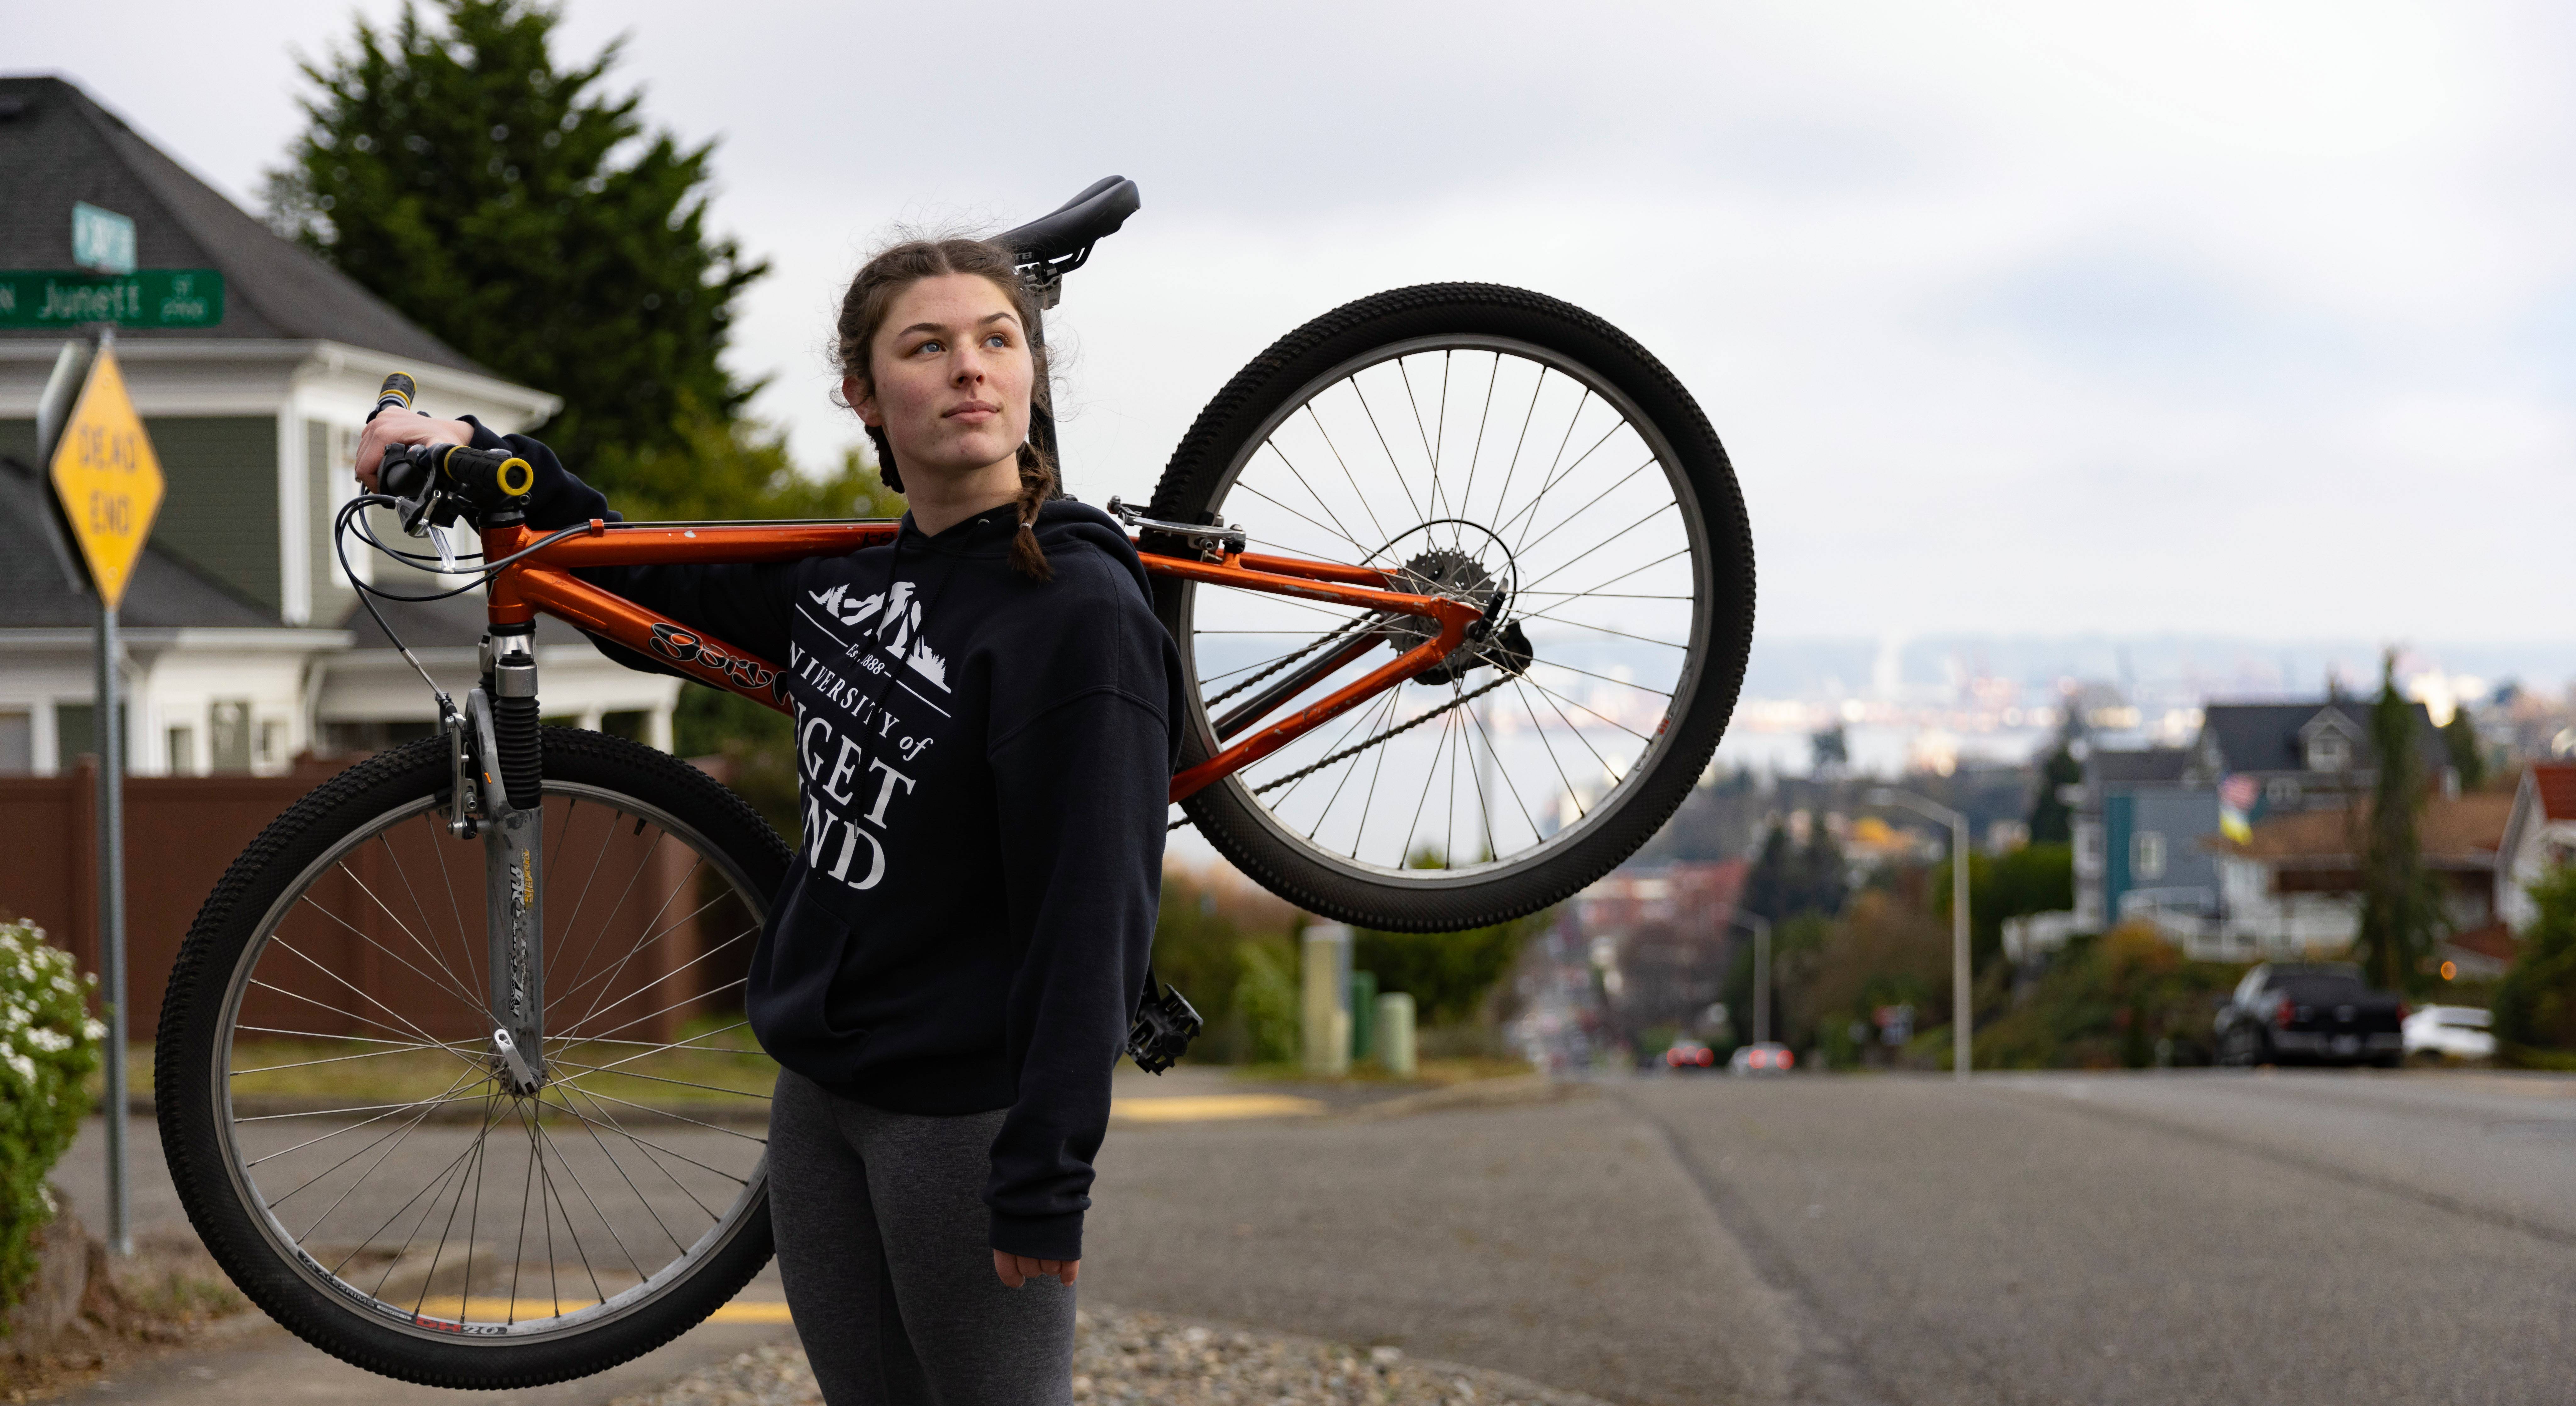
(323, 472)
(220, 512)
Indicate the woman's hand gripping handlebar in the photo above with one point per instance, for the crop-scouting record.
(416, 458)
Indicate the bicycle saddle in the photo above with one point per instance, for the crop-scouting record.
(1061, 239)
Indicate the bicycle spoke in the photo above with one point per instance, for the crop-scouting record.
(560, 1062)
(403, 872)
(620, 1168)
(1353, 479)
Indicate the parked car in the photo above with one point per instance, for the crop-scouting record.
(2459, 1032)
(2310, 1012)
(1689, 1054)
(1769, 1057)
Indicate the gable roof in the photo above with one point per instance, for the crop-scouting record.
(2546, 792)
(41, 586)
(2554, 786)
(2150, 764)
(58, 146)
(2272, 736)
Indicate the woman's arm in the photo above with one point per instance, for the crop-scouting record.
(745, 605)
(1083, 795)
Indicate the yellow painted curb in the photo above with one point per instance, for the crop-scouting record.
(1197, 1108)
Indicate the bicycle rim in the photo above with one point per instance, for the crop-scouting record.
(428, 1199)
(1569, 502)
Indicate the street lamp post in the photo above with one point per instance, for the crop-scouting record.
(1760, 927)
(1962, 1007)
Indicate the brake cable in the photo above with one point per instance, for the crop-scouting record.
(351, 521)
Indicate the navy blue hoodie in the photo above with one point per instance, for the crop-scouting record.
(984, 764)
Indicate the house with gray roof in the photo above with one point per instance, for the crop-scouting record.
(2147, 826)
(240, 647)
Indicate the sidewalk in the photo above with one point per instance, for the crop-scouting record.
(248, 1361)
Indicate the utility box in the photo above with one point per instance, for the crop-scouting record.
(1395, 1034)
(1325, 991)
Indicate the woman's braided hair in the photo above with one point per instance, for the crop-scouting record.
(863, 311)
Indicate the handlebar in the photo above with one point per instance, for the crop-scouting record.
(397, 394)
(480, 481)
(491, 480)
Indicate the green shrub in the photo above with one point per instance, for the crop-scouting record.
(2104, 1004)
(1447, 973)
(2535, 1004)
(1265, 999)
(48, 1046)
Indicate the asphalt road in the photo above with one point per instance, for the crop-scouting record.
(2182, 1238)
(2175, 1238)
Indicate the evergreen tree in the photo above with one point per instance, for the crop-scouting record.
(1790, 879)
(2399, 912)
(2535, 1005)
(1819, 884)
(530, 220)
(1766, 885)
(2052, 821)
(2460, 739)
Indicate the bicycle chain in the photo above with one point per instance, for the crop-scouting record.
(1293, 658)
(1349, 752)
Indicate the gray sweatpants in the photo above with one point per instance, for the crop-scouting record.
(883, 1242)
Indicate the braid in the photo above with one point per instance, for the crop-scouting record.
(1037, 485)
(887, 474)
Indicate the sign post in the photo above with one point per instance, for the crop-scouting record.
(109, 484)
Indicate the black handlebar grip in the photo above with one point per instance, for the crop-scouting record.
(404, 472)
(487, 478)
(397, 394)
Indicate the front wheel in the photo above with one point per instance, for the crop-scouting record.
(331, 1106)
(1490, 445)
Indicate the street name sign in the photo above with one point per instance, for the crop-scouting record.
(102, 240)
(74, 298)
(107, 479)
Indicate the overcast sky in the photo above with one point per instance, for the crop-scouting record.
(2228, 318)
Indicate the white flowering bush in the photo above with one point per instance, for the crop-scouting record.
(48, 1047)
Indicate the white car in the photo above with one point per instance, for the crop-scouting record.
(1770, 1057)
(2457, 1031)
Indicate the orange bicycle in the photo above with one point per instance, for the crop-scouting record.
(451, 1074)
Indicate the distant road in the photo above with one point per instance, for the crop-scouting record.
(2282, 1238)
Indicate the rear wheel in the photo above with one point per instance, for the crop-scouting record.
(333, 1118)
(1496, 446)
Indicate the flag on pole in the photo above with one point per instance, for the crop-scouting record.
(2236, 807)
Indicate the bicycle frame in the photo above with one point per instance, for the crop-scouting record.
(543, 582)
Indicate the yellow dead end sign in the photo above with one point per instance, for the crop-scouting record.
(107, 478)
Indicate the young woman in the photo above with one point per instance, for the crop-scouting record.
(986, 716)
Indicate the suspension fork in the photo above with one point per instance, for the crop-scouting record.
(499, 743)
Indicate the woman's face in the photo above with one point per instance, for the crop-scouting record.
(952, 372)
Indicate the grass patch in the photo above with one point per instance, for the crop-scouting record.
(717, 1070)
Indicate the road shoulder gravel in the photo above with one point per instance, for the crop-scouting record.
(1136, 1358)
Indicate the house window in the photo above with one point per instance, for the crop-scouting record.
(2282, 792)
(17, 743)
(183, 750)
(228, 727)
(2147, 855)
(2330, 751)
(272, 743)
